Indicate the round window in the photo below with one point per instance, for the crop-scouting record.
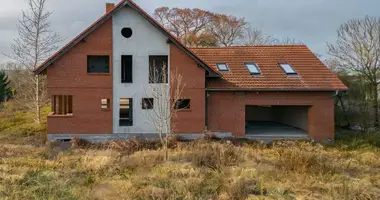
(126, 32)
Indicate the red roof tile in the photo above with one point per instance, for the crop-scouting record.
(313, 74)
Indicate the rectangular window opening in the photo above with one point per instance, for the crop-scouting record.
(98, 64)
(288, 69)
(126, 69)
(126, 107)
(105, 103)
(158, 69)
(253, 68)
(63, 104)
(223, 67)
(147, 103)
(182, 104)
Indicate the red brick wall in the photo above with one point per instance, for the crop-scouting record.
(227, 110)
(68, 76)
(193, 120)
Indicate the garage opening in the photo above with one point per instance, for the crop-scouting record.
(277, 120)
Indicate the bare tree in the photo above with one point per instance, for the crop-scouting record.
(357, 50)
(166, 99)
(255, 36)
(34, 44)
(227, 29)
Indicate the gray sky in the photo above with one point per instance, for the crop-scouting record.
(313, 22)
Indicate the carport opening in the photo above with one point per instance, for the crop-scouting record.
(276, 120)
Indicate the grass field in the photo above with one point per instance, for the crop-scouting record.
(202, 169)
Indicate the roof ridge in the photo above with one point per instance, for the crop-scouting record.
(251, 46)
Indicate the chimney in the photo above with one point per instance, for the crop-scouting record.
(109, 7)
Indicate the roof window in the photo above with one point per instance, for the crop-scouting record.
(223, 67)
(288, 69)
(253, 68)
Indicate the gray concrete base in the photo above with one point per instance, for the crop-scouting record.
(124, 136)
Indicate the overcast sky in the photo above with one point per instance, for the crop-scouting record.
(314, 22)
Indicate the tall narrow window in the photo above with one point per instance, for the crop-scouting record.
(158, 69)
(98, 64)
(63, 104)
(126, 69)
(288, 69)
(181, 104)
(126, 107)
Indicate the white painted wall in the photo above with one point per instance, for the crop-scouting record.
(146, 40)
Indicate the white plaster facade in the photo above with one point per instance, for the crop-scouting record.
(146, 40)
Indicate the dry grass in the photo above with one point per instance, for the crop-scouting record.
(202, 169)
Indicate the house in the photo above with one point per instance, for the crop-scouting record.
(96, 83)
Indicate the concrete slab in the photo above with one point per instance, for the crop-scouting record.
(256, 128)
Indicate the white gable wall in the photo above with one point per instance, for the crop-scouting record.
(146, 40)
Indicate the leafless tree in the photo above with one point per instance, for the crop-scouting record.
(255, 36)
(166, 98)
(34, 44)
(227, 29)
(357, 50)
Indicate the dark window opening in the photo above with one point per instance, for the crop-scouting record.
(126, 107)
(182, 104)
(126, 32)
(63, 104)
(158, 69)
(126, 69)
(98, 64)
(147, 103)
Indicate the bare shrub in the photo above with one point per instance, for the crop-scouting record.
(214, 156)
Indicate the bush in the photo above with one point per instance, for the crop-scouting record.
(214, 155)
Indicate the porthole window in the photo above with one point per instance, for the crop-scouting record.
(126, 32)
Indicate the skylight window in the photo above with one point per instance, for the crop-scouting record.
(222, 67)
(288, 69)
(253, 68)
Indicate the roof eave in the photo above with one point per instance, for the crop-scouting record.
(276, 89)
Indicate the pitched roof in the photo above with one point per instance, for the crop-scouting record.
(108, 15)
(313, 75)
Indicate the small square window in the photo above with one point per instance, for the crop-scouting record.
(223, 67)
(98, 64)
(253, 68)
(182, 104)
(147, 103)
(105, 103)
(288, 69)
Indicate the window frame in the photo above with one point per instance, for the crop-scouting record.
(123, 79)
(108, 104)
(223, 70)
(124, 121)
(150, 103)
(65, 106)
(258, 73)
(188, 107)
(151, 58)
(294, 73)
(92, 56)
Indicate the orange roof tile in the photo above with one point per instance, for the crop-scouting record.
(313, 74)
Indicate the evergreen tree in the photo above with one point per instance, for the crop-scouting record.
(5, 90)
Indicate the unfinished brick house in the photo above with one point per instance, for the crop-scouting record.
(96, 84)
